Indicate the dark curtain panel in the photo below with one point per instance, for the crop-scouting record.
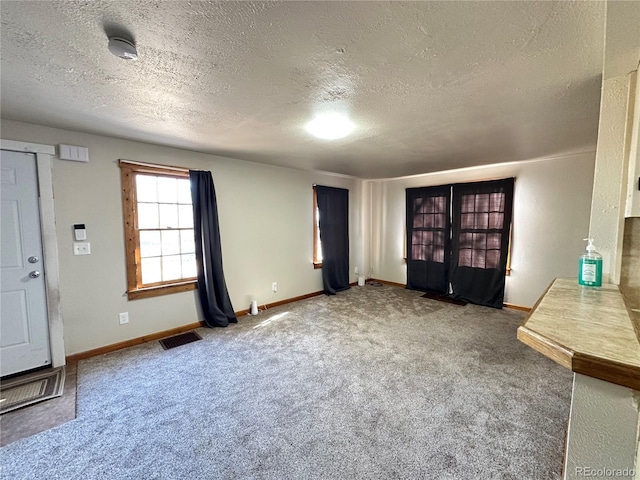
(481, 220)
(333, 223)
(212, 289)
(428, 238)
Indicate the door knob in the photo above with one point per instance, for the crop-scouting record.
(34, 274)
(33, 259)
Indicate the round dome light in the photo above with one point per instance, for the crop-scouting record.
(330, 126)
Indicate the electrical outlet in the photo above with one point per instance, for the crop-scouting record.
(81, 248)
(124, 317)
(274, 287)
(356, 270)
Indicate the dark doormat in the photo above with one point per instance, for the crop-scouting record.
(443, 298)
(182, 339)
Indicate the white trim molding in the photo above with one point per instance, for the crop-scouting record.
(44, 156)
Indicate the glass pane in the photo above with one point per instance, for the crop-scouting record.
(150, 243)
(185, 212)
(319, 247)
(418, 220)
(151, 270)
(189, 266)
(496, 220)
(482, 221)
(493, 258)
(478, 260)
(465, 240)
(466, 220)
(184, 191)
(464, 257)
(148, 215)
(494, 241)
(146, 188)
(428, 221)
(167, 190)
(497, 202)
(468, 203)
(482, 202)
(170, 242)
(430, 204)
(417, 252)
(171, 268)
(187, 241)
(480, 241)
(168, 216)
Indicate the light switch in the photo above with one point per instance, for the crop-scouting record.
(73, 153)
(81, 248)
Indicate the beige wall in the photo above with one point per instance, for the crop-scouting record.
(265, 222)
(551, 217)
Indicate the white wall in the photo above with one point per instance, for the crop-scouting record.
(551, 217)
(602, 432)
(265, 223)
(611, 171)
(633, 193)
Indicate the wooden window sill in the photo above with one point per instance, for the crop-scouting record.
(162, 290)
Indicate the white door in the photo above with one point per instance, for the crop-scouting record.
(24, 326)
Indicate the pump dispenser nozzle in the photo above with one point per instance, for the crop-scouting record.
(590, 246)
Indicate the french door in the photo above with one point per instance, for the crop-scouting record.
(428, 238)
(458, 239)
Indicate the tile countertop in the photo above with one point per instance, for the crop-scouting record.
(588, 330)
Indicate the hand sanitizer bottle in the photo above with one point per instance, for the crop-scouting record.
(590, 267)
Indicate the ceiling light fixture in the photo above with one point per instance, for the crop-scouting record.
(123, 48)
(330, 126)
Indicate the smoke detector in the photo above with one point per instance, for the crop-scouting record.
(123, 48)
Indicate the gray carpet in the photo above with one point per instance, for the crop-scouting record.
(375, 382)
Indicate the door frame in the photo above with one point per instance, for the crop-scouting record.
(44, 159)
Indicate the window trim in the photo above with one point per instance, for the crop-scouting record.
(128, 170)
(316, 231)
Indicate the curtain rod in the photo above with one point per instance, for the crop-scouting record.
(155, 165)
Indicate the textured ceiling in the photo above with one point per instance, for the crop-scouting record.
(430, 85)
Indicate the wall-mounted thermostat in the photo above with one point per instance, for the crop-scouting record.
(80, 231)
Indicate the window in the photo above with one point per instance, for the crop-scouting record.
(317, 246)
(481, 225)
(430, 226)
(430, 229)
(158, 223)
